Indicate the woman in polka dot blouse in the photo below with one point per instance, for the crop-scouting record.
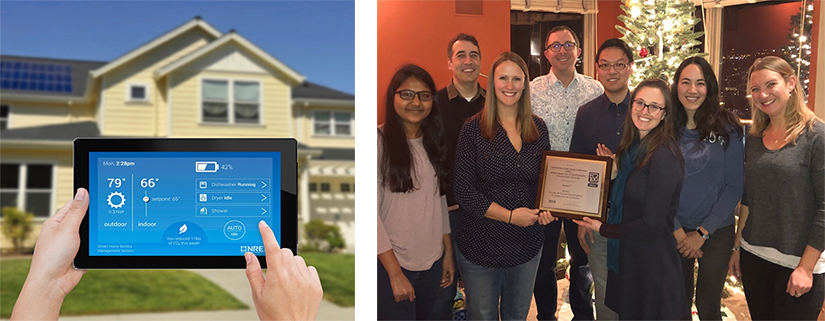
(497, 165)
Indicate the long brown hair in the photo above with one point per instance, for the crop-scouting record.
(524, 118)
(661, 134)
(797, 115)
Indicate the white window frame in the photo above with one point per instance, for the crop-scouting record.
(230, 100)
(8, 116)
(332, 123)
(146, 92)
(22, 190)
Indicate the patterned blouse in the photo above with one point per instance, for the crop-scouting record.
(557, 105)
(493, 171)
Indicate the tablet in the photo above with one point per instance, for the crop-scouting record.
(183, 203)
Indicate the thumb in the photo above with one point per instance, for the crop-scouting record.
(254, 273)
(533, 211)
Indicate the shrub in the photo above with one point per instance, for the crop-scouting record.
(17, 225)
(322, 237)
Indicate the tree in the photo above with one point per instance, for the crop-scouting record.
(798, 50)
(661, 34)
(323, 237)
(17, 225)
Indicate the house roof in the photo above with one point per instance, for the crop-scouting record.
(79, 73)
(230, 37)
(197, 22)
(61, 132)
(315, 91)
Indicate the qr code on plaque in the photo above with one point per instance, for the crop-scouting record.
(593, 179)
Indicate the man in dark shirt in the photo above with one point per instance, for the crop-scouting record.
(600, 121)
(462, 98)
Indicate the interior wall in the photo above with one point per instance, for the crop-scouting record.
(608, 18)
(418, 31)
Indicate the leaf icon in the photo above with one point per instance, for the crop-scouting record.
(183, 229)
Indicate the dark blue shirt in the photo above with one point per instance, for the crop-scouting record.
(599, 122)
(488, 171)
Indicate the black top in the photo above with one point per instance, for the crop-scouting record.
(599, 122)
(493, 171)
(650, 286)
(454, 112)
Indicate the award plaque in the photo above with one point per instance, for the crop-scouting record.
(574, 185)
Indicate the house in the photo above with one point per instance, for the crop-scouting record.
(193, 81)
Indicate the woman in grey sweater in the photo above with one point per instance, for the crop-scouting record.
(782, 217)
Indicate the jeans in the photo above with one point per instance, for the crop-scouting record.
(713, 268)
(580, 279)
(443, 308)
(765, 284)
(598, 269)
(491, 292)
(425, 283)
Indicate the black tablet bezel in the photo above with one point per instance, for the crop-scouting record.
(289, 196)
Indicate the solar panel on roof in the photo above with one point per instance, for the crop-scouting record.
(34, 76)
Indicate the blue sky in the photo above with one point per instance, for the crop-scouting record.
(316, 38)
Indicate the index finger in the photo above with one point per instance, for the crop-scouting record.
(271, 246)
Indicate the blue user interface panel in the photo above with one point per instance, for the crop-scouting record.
(182, 203)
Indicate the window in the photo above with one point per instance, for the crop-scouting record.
(4, 117)
(324, 187)
(313, 187)
(345, 187)
(243, 106)
(138, 93)
(27, 186)
(329, 123)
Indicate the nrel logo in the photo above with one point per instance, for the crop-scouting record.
(252, 248)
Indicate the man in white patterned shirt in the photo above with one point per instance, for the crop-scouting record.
(556, 97)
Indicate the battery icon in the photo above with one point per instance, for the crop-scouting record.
(206, 167)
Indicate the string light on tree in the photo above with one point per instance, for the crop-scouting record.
(661, 34)
(798, 49)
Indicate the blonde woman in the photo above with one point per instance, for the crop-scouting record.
(782, 218)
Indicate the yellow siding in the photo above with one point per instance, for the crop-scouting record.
(144, 119)
(185, 96)
(304, 127)
(63, 179)
(28, 114)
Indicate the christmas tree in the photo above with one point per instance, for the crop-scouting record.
(798, 50)
(661, 34)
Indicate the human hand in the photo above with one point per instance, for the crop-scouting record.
(448, 271)
(733, 264)
(603, 150)
(583, 232)
(452, 208)
(402, 289)
(690, 246)
(679, 235)
(524, 217)
(545, 217)
(589, 223)
(290, 290)
(800, 282)
(52, 275)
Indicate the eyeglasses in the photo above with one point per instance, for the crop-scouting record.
(618, 66)
(410, 95)
(555, 47)
(653, 109)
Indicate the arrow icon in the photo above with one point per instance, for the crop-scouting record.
(264, 186)
(263, 209)
(263, 198)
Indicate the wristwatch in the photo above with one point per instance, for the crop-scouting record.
(703, 235)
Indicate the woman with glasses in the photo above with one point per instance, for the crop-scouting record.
(710, 138)
(497, 165)
(644, 278)
(414, 247)
(782, 218)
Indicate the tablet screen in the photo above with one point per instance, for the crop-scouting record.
(182, 203)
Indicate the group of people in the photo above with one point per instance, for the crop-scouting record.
(459, 168)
